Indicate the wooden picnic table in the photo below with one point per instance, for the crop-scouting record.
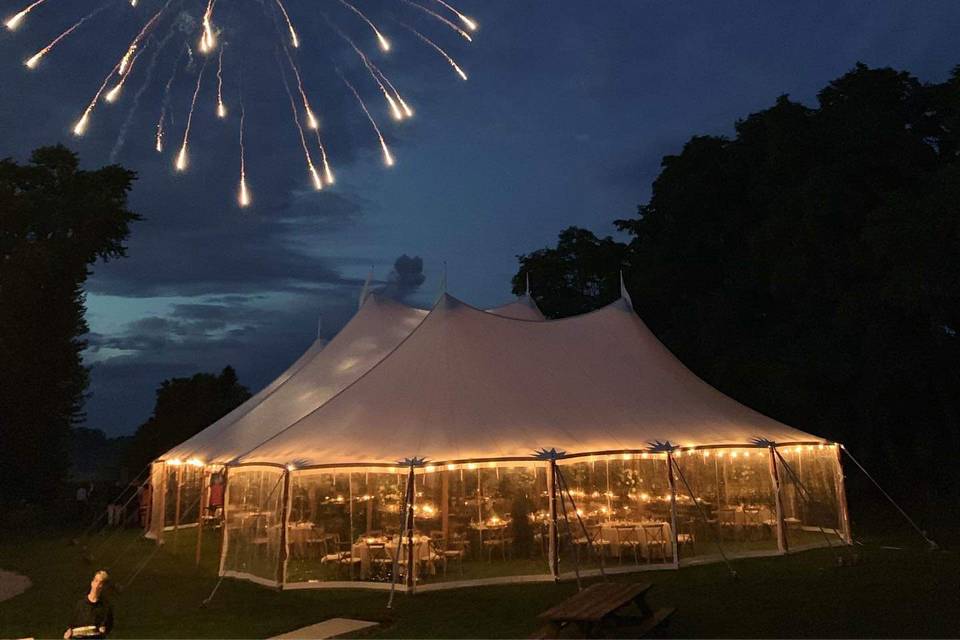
(599, 604)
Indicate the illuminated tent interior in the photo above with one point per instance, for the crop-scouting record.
(478, 448)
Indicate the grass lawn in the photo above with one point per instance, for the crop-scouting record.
(892, 593)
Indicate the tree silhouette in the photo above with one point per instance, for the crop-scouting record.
(56, 220)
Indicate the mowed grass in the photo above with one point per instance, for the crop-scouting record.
(908, 592)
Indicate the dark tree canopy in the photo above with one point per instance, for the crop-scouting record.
(56, 221)
(809, 266)
(184, 407)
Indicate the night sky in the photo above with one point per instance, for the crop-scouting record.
(568, 110)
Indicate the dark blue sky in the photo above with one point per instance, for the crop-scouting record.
(568, 110)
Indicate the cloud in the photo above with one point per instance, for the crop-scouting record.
(405, 279)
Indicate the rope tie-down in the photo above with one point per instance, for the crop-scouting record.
(931, 545)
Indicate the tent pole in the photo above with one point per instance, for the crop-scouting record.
(350, 494)
(782, 541)
(224, 539)
(204, 486)
(806, 497)
(396, 554)
(176, 511)
(842, 499)
(411, 567)
(566, 487)
(674, 541)
(552, 548)
(566, 520)
(284, 552)
(445, 504)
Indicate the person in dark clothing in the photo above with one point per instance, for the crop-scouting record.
(93, 615)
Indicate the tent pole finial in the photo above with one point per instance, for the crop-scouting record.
(623, 291)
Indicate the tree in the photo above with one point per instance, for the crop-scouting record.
(56, 221)
(579, 274)
(809, 266)
(184, 407)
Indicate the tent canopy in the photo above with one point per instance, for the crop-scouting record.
(470, 385)
(322, 371)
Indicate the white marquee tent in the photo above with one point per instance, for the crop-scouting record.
(474, 429)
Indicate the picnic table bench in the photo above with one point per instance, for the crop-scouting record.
(599, 604)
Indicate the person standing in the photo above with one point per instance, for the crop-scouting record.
(93, 614)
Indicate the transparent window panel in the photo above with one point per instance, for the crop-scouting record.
(157, 473)
(320, 525)
(809, 477)
(170, 484)
(623, 504)
(744, 509)
(699, 530)
(252, 523)
(191, 478)
(477, 521)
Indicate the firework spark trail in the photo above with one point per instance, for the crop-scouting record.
(35, 58)
(147, 81)
(317, 182)
(387, 157)
(374, 73)
(440, 18)
(14, 21)
(243, 198)
(312, 121)
(114, 93)
(181, 163)
(221, 109)
(208, 40)
(384, 43)
(131, 50)
(437, 48)
(466, 20)
(327, 173)
(81, 126)
(294, 40)
(407, 111)
(165, 105)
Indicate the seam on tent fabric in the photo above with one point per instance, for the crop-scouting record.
(545, 320)
(349, 386)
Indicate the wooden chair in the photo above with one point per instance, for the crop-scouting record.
(628, 537)
(686, 536)
(592, 540)
(655, 540)
(498, 539)
(381, 561)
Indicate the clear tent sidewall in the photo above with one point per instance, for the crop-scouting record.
(324, 527)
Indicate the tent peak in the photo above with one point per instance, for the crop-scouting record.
(624, 294)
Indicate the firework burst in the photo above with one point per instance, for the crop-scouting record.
(208, 26)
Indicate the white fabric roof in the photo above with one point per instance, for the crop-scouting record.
(322, 371)
(467, 385)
